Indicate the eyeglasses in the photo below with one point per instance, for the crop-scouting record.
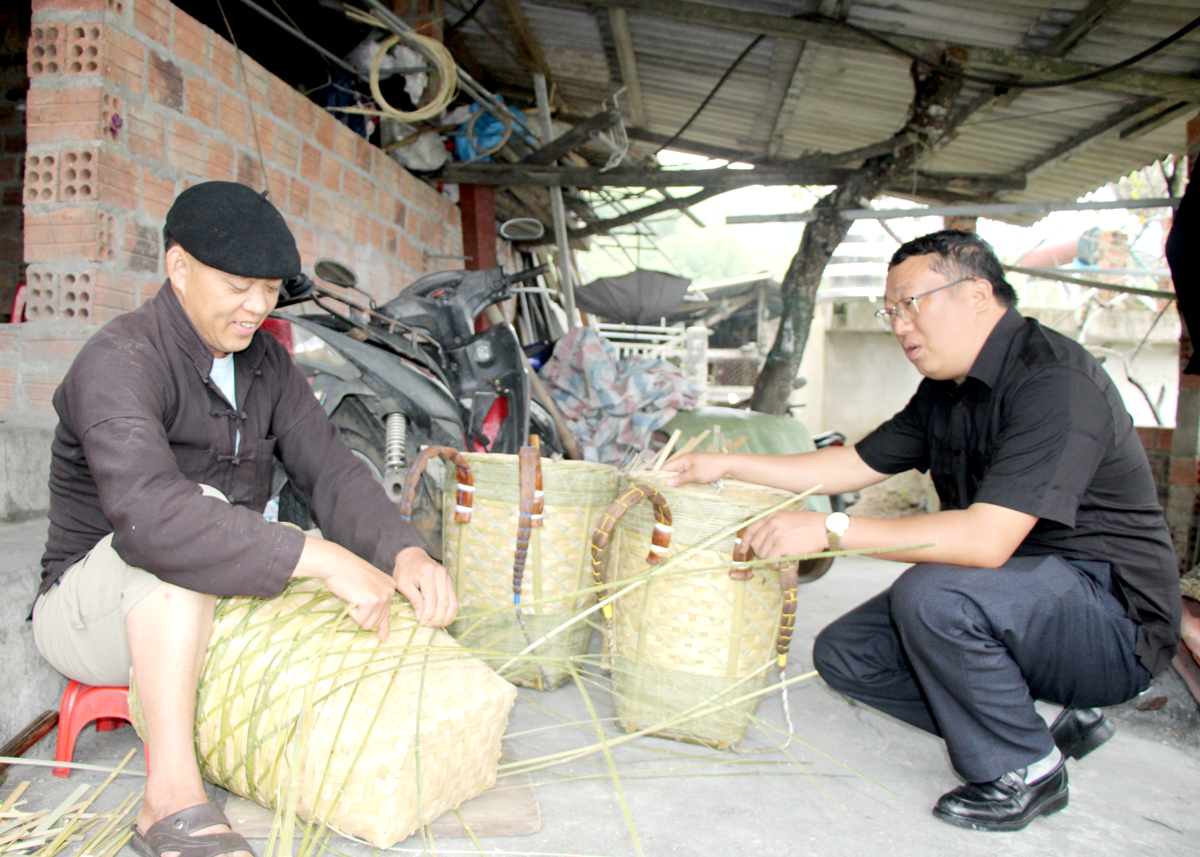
(906, 308)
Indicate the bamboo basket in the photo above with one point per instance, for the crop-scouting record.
(485, 556)
(299, 705)
(689, 640)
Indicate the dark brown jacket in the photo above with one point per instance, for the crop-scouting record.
(141, 424)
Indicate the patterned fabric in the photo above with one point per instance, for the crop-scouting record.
(613, 407)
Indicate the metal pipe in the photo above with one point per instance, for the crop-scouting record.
(1095, 284)
(566, 280)
(998, 209)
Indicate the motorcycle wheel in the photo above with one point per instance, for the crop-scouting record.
(364, 435)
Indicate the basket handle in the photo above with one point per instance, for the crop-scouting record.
(530, 509)
(466, 487)
(660, 539)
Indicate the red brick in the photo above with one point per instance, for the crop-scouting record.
(363, 152)
(326, 128)
(47, 50)
(55, 344)
(377, 234)
(111, 298)
(64, 114)
(85, 43)
(331, 174)
(222, 60)
(277, 181)
(399, 213)
(146, 132)
(185, 148)
(124, 59)
(281, 97)
(191, 39)
(72, 5)
(141, 248)
(299, 198)
(118, 181)
(148, 289)
(360, 231)
(8, 341)
(39, 391)
(310, 162)
(164, 82)
(68, 233)
(1184, 471)
(1165, 439)
(200, 98)
(153, 17)
(158, 193)
(287, 148)
(8, 383)
(235, 116)
(322, 210)
(343, 143)
(306, 243)
(350, 186)
(262, 137)
(305, 114)
(392, 242)
(249, 170)
(112, 118)
(219, 165)
(257, 80)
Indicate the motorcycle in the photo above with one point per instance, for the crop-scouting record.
(409, 373)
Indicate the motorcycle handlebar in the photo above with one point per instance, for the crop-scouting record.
(526, 276)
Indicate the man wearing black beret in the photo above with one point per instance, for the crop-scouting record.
(169, 420)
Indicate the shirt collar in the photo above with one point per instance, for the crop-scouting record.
(991, 358)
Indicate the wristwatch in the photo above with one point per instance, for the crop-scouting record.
(835, 527)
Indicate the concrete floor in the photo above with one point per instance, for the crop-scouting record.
(861, 784)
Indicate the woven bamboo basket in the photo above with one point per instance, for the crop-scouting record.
(372, 739)
(687, 641)
(485, 556)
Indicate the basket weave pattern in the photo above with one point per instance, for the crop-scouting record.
(295, 695)
(480, 556)
(687, 638)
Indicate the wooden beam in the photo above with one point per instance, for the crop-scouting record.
(516, 25)
(1079, 29)
(1141, 127)
(627, 60)
(574, 138)
(644, 212)
(584, 177)
(1130, 81)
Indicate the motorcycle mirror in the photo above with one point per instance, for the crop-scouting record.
(522, 229)
(336, 273)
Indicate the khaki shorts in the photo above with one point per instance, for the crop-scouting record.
(79, 624)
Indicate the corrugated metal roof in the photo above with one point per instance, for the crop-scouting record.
(842, 99)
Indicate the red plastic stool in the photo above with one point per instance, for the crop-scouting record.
(81, 704)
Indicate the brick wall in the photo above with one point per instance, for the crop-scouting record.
(14, 25)
(131, 101)
(1157, 443)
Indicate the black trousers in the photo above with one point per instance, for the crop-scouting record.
(964, 652)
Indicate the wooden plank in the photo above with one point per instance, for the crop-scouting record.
(627, 62)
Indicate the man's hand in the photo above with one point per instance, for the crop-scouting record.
(366, 589)
(698, 467)
(788, 534)
(427, 586)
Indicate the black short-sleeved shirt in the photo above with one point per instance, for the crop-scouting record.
(1039, 427)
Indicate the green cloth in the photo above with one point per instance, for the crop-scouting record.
(765, 434)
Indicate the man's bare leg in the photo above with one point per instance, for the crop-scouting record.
(168, 633)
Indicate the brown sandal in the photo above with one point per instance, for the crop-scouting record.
(173, 833)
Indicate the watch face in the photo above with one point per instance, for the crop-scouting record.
(838, 523)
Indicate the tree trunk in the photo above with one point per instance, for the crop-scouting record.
(929, 119)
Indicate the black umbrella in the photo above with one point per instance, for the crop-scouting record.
(639, 297)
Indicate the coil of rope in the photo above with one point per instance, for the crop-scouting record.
(433, 50)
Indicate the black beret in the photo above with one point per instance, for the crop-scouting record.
(234, 229)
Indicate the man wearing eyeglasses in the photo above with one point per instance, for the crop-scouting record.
(1049, 573)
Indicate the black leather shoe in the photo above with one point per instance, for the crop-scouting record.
(1079, 731)
(1004, 804)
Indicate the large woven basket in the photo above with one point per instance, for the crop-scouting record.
(375, 739)
(688, 640)
(481, 553)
